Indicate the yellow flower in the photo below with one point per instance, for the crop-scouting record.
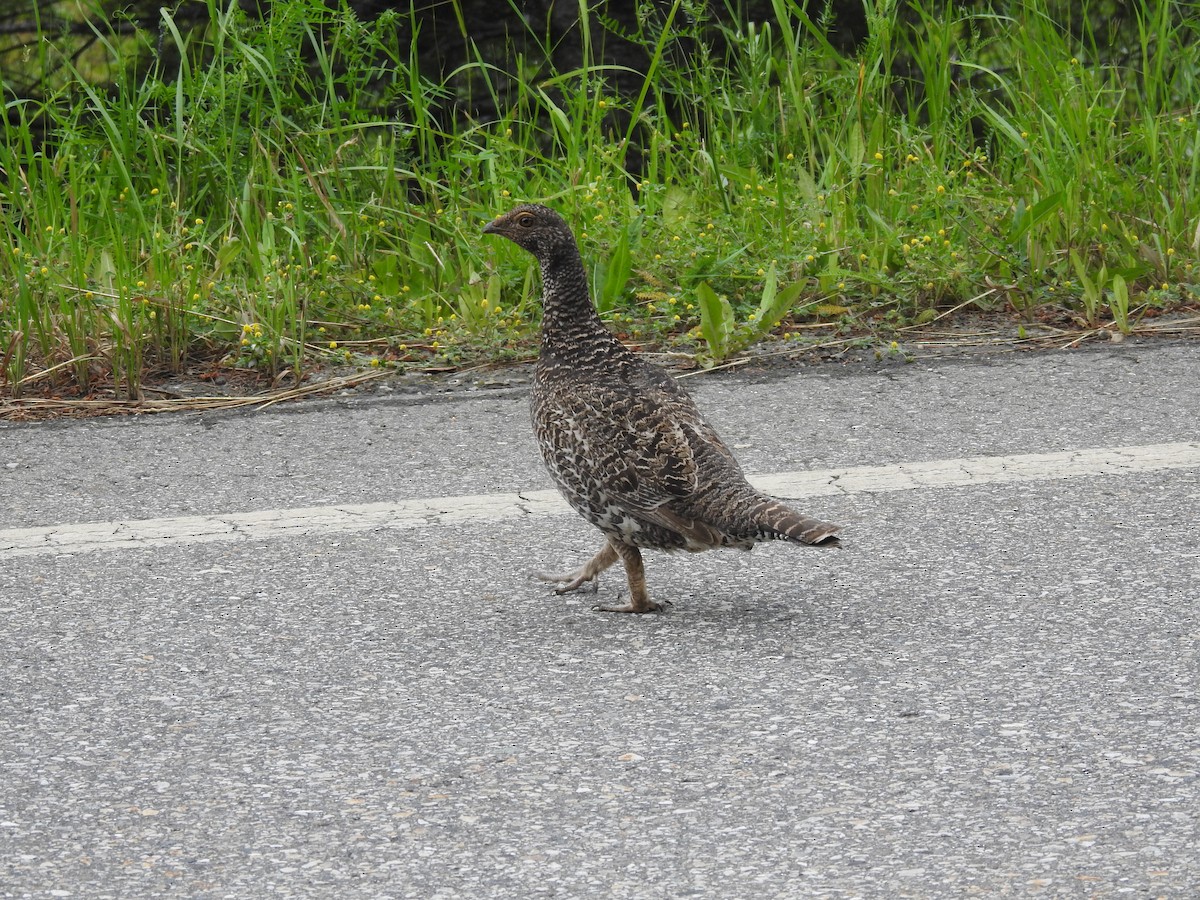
(941, 189)
(333, 345)
(878, 156)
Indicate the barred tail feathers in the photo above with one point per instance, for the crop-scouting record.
(779, 521)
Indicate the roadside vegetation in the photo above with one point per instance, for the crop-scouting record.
(254, 210)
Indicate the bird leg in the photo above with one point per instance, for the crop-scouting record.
(635, 572)
(572, 581)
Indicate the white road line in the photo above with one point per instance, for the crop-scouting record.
(323, 520)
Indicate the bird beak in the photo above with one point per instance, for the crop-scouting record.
(490, 227)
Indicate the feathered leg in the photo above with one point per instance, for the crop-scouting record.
(635, 572)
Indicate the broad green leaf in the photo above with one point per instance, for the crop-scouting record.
(611, 275)
(716, 320)
(775, 303)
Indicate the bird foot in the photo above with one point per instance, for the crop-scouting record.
(645, 606)
(570, 581)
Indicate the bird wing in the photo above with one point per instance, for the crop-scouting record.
(643, 445)
(684, 410)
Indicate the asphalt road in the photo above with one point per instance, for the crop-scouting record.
(993, 689)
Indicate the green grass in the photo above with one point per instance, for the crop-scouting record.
(256, 211)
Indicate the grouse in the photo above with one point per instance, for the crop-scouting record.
(624, 443)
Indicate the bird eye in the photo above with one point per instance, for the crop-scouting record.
(526, 221)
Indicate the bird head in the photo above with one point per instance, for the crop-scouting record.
(536, 229)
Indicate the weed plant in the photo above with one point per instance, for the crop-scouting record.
(253, 206)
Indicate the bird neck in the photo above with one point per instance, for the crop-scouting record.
(569, 318)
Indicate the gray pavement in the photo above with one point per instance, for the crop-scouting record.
(992, 690)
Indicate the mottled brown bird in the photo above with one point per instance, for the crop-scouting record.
(626, 446)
